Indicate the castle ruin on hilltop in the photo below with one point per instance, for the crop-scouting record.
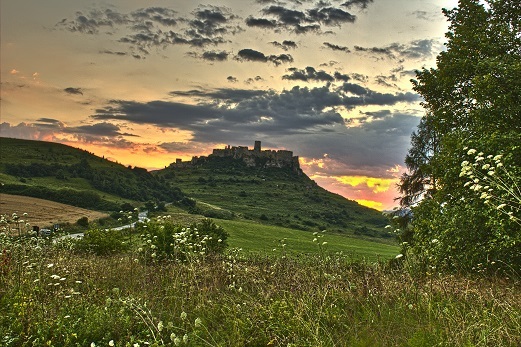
(255, 157)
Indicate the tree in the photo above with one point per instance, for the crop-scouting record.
(473, 104)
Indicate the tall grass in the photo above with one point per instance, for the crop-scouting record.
(52, 295)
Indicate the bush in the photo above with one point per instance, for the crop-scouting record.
(102, 242)
(83, 222)
(164, 239)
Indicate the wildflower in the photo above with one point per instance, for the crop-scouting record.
(92, 344)
(198, 322)
(160, 326)
(50, 265)
(501, 206)
(185, 338)
(111, 343)
(399, 256)
(177, 341)
(471, 151)
(183, 315)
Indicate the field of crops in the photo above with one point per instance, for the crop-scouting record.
(44, 212)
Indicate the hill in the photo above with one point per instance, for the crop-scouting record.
(264, 186)
(270, 188)
(76, 177)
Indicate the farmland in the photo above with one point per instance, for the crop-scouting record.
(42, 212)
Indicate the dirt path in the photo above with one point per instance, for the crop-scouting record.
(44, 213)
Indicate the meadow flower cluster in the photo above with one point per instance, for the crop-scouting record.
(163, 239)
(488, 177)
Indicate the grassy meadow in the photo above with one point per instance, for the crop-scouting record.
(53, 294)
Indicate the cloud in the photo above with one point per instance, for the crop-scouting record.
(229, 113)
(336, 47)
(285, 45)
(104, 129)
(249, 54)
(359, 3)
(215, 55)
(300, 21)
(156, 27)
(417, 50)
(71, 90)
(232, 79)
(311, 74)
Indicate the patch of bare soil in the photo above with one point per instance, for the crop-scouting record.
(44, 213)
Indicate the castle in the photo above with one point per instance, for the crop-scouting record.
(255, 157)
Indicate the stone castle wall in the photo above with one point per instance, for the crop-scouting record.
(255, 157)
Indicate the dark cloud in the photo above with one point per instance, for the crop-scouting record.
(215, 55)
(311, 74)
(254, 79)
(331, 16)
(359, 3)
(336, 47)
(300, 22)
(285, 45)
(418, 49)
(261, 22)
(222, 94)
(354, 89)
(157, 27)
(248, 54)
(106, 51)
(376, 51)
(232, 79)
(99, 129)
(71, 90)
(251, 55)
(228, 113)
(341, 77)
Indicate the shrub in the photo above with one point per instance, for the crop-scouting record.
(163, 239)
(83, 222)
(101, 242)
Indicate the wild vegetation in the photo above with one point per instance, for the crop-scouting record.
(463, 190)
(456, 283)
(137, 289)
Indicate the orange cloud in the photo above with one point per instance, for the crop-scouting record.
(378, 185)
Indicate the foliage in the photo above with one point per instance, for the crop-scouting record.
(101, 242)
(472, 100)
(52, 296)
(163, 239)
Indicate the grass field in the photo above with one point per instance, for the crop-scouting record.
(264, 239)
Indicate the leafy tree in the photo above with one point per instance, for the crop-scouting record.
(473, 106)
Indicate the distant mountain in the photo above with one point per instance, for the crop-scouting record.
(269, 187)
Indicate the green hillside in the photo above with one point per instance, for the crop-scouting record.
(226, 188)
(69, 175)
(223, 188)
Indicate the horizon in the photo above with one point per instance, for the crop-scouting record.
(144, 84)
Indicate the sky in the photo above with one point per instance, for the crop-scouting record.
(145, 82)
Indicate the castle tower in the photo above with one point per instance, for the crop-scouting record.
(257, 147)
